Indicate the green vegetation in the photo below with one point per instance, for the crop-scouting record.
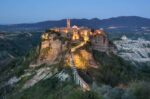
(137, 90)
(114, 70)
(54, 89)
(57, 36)
(16, 69)
(25, 62)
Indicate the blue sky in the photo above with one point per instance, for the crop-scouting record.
(27, 11)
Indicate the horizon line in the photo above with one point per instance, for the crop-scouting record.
(71, 19)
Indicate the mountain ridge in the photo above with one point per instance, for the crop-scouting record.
(94, 18)
(128, 23)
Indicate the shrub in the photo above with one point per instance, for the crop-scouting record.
(52, 88)
(113, 69)
(141, 90)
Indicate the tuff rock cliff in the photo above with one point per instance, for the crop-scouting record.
(59, 66)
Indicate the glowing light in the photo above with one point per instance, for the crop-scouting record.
(80, 62)
(75, 36)
(86, 38)
(45, 36)
(65, 31)
(82, 59)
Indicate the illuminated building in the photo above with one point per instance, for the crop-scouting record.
(81, 33)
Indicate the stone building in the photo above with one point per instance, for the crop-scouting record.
(98, 38)
(100, 42)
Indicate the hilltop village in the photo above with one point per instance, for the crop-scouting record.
(97, 37)
(72, 59)
(73, 46)
(81, 41)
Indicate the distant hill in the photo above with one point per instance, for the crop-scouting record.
(123, 23)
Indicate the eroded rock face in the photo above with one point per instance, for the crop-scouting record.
(50, 49)
(100, 43)
(42, 73)
(82, 59)
(136, 51)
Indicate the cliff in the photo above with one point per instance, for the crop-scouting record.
(60, 65)
(51, 49)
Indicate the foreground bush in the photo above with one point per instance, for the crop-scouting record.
(137, 90)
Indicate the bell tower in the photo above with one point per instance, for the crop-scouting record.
(68, 23)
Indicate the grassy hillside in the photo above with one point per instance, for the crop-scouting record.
(113, 70)
(114, 78)
(54, 89)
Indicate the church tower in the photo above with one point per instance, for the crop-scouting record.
(68, 23)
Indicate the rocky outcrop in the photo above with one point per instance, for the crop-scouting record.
(100, 43)
(51, 49)
(82, 58)
(56, 46)
(42, 73)
(136, 51)
(50, 54)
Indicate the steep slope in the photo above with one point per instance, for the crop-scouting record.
(58, 68)
(137, 51)
(51, 49)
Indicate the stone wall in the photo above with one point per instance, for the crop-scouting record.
(100, 43)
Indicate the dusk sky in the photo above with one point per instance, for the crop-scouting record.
(29, 11)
